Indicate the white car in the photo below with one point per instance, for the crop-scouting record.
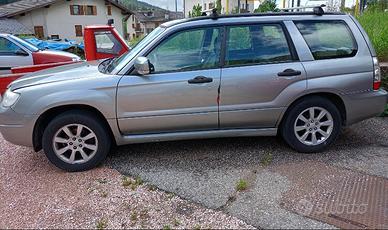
(15, 52)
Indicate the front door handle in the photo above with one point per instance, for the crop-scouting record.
(289, 73)
(200, 80)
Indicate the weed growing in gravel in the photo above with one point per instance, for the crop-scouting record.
(103, 194)
(144, 214)
(152, 188)
(241, 185)
(170, 195)
(102, 224)
(126, 182)
(266, 160)
(102, 181)
(166, 227)
(134, 216)
(176, 222)
(197, 227)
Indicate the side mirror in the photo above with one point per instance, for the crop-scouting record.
(21, 52)
(142, 66)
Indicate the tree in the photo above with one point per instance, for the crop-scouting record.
(197, 11)
(267, 6)
(219, 6)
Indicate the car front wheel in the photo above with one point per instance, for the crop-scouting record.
(312, 125)
(76, 141)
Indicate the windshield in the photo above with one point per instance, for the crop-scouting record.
(25, 44)
(120, 62)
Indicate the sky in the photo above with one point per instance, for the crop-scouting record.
(170, 4)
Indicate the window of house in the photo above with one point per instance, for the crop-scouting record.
(91, 10)
(76, 10)
(204, 6)
(211, 5)
(78, 31)
(107, 43)
(188, 50)
(328, 39)
(256, 44)
(109, 10)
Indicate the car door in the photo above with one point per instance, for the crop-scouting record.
(181, 92)
(12, 55)
(259, 65)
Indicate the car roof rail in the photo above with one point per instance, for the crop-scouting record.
(317, 10)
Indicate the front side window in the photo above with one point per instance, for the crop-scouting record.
(188, 50)
(7, 47)
(328, 39)
(256, 44)
(107, 43)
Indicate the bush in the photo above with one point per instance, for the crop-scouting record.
(375, 24)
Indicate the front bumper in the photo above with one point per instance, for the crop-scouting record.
(17, 128)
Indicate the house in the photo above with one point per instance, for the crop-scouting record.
(64, 18)
(228, 6)
(143, 22)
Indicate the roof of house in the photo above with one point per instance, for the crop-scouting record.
(11, 26)
(23, 6)
(157, 16)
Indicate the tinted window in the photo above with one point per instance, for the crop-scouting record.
(188, 50)
(328, 39)
(257, 44)
(7, 47)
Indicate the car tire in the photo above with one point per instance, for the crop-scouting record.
(325, 125)
(76, 141)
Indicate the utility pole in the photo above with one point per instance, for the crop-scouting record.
(176, 5)
(239, 6)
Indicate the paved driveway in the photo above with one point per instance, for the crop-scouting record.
(207, 171)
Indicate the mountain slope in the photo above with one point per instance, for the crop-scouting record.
(139, 5)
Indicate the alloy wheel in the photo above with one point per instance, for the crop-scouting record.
(313, 126)
(75, 144)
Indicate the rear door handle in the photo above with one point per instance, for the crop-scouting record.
(200, 80)
(289, 73)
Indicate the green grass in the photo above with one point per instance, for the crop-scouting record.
(266, 160)
(102, 224)
(375, 24)
(241, 185)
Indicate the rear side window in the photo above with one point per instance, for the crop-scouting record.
(328, 39)
(257, 44)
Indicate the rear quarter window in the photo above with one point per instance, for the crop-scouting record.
(328, 39)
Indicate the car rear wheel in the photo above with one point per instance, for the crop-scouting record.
(76, 141)
(312, 125)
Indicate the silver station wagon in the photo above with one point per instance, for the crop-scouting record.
(303, 76)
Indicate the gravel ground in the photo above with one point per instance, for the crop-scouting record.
(207, 171)
(34, 194)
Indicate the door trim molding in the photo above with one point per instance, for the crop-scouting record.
(159, 137)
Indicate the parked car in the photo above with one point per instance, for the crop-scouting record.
(301, 75)
(16, 52)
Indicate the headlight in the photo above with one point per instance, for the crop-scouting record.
(9, 98)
